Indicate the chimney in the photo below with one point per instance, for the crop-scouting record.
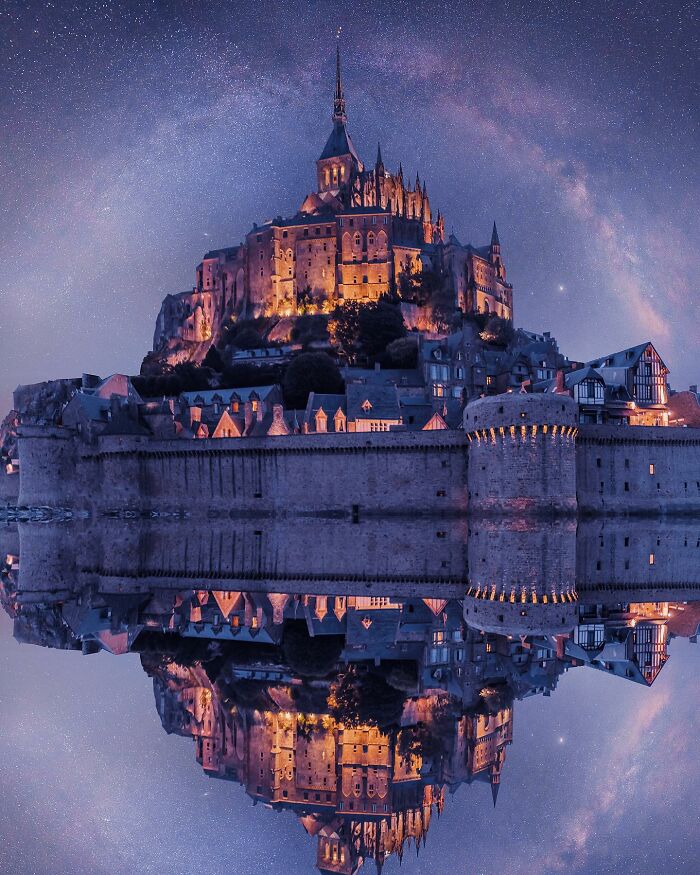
(559, 388)
(247, 416)
(694, 388)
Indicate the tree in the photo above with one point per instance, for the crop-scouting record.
(403, 352)
(310, 657)
(361, 698)
(344, 327)
(442, 308)
(247, 374)
(408, 282)
(379, 325)
(497, 331)
(232, 331)
(248, 338)
(310, 372)
(310, 328)
(213, 360)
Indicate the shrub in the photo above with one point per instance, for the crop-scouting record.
(310, 372)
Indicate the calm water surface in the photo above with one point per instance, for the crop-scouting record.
(416, 695)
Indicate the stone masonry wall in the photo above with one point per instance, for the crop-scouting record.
(638, 469)
(394, 472)
(521, 453)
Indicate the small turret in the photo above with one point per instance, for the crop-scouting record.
(495, 242)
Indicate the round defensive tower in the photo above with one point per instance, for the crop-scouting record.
(522, 575)
(46, 467)
(522, 453)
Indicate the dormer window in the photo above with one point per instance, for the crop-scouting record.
(366, 405)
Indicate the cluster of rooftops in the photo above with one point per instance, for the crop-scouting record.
(626, 388)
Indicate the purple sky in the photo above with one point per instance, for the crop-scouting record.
(136, 136)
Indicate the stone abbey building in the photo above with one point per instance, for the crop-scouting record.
(351, 238)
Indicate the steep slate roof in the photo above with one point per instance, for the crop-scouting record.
(329, 402)
(384, 401)
(339, 143)
(93, 407)
(384, 376)
(207, 396)
(122, 423)
(573, 378)
(626, 358)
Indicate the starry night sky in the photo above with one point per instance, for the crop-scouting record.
(135, 136)
(601, 779)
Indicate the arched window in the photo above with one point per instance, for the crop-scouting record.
(370, 239)
(357, 239)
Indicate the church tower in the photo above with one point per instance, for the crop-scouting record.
(339, 163)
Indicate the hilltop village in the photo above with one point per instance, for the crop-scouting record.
(357, 314)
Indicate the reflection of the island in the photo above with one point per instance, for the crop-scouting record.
(384, 671)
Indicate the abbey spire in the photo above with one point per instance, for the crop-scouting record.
(339, 114)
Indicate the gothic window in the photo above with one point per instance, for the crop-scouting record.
(370, 239)
(357, 240)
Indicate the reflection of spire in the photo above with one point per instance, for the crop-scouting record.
(339, 115)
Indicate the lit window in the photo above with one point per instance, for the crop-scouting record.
(652, 469)
(652, 559)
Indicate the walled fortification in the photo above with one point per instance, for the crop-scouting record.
(644, 469)
(521, 453)
(393, 472)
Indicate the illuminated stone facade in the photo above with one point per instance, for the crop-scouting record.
(351, 238)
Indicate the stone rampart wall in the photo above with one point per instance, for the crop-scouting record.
(641, 469)
(412, 473)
